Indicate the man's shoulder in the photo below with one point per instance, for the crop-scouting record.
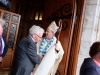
(89, 63)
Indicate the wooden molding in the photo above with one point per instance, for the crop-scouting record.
(76, 38)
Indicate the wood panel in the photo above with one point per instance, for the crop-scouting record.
(11, 27)
(7, 61)
(76, 38)
(13, 6)
(54, 10)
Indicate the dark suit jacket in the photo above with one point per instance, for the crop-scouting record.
(26, 57)
(5, 47)
(89, 67)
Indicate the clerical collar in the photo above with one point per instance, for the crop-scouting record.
(47, 40)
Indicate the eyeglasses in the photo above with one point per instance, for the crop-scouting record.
(38, 36)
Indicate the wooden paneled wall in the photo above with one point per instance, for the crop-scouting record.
(13, 6)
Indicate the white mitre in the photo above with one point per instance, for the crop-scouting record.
(53, 27)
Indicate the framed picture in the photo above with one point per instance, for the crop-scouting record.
(15, 18)
(6, 16)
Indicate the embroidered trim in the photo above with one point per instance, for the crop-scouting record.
(45, 45)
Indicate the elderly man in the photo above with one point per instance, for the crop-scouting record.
(26, 54)
(91, 66)
(3, 44)
(51, 52)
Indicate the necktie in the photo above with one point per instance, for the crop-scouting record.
(0, 46)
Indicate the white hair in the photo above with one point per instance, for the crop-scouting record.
(2, 22)
(36, 30)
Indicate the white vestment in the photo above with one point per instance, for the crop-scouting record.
(50, 61)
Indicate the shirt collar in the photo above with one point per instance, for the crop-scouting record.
(96, 62)
(33, 39)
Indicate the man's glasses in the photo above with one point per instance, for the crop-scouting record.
(38, 36)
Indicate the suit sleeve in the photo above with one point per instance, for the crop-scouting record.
(32, 54)
(5, 47)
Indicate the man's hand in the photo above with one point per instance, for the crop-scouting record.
(0, 59)
(40, 55)
(57, 47)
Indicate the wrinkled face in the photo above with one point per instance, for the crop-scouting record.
(38, 37)
(49, 34)
(1, 30)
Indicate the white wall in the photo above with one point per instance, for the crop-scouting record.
(90, 31)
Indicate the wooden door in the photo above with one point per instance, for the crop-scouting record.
(65, 10)
(11, 27)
